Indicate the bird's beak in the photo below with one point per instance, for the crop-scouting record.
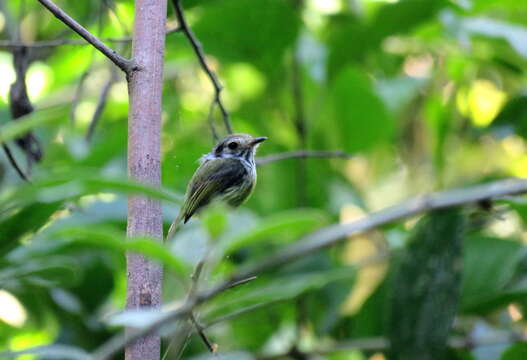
(257, 140)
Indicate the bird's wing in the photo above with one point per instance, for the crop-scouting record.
(211, 179)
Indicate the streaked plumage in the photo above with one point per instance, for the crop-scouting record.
(227, 173)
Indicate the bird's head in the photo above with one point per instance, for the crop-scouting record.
(241, 146)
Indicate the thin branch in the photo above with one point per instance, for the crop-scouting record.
(241, 282)
(301, 154)
(198, 49)
(100, 106)
(201, 332)
(124, 64)
(13, 162)
(193, 288)
(61, 42)
(324, 238)
(13, 32)
(210, 118)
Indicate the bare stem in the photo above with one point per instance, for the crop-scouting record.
(198, 49)
(145, 277)
(124, 64)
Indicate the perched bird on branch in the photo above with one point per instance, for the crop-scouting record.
(227, 173)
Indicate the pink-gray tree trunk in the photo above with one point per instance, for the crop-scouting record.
(144, 127)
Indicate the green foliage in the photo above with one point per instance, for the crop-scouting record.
(426, 287)
(426, 94)
(360, 120)
(515, 352)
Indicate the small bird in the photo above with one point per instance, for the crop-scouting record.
(227, 173)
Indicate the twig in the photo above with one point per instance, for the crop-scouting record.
(198, 49)
(241, 282)
(201, 332)
(237, 313)
(100, 106)
(13, 162)
(62, 42)
(77, 95)
(301, 154)
(193, 288)
(326, 237)
(124, 64)
(12, 31)
(210, 119)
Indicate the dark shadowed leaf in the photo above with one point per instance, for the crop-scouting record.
(358, 113)
(489, 266)
(427, 287)
(118, 241)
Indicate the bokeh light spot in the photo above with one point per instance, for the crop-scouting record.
(38, 79)
(245, 80)
(481, 102)
(8, 75)
(11, 310)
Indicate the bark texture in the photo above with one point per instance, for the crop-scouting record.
(144, 126)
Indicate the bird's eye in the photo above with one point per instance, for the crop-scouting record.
(232, 145)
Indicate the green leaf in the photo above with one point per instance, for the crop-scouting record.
(489, 266)
(276, 289)
(67, 186)
(49, 272)
(514, 116)
(360, 118)
(403, 16)
(111, 239)
(516, 352)
(293, 223)
(215, 219)
(20, 126)
(241, 31)
(50, 352)
(24, 221)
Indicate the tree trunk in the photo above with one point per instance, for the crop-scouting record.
(144, 126)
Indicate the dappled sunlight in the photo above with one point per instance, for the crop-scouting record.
(12, 312)
(2, 22)
(245, 81)
(8, 75)
(481, 101)
(29, 339)
(39, 78)
(418, 66)
(361, 248)
(325, 6)
(84, 113)
(369, 106)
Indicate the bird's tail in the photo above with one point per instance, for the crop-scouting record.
(174, 227)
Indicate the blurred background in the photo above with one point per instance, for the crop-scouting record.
(422, 95)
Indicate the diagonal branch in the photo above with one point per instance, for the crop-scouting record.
(324, 238)
(103, 99)
(13, 162)
(124, 64)
(198, 49)
(60, 42)
(301, 154)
